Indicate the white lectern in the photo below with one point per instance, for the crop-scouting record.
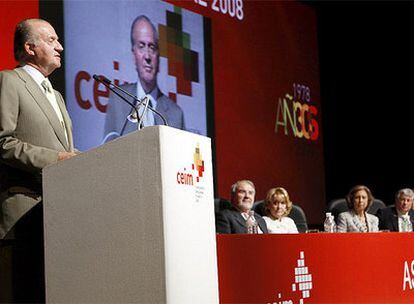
(132, 222)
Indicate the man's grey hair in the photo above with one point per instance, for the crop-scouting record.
(235, 185)
(406, 192)
(143, 18)
(22, 34)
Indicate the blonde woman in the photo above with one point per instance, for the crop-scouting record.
(277, 207)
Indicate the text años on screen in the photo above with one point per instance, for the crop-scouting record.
(295, 113)
(233, 8)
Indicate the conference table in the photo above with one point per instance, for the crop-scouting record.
(316, 268)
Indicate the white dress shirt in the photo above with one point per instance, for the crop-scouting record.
(38, 77)
(404, 223)
(245, 215)
(149, 117)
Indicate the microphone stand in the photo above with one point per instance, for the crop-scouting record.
(107, 83)
(144, 112)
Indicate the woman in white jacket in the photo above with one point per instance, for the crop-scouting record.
(277, 207)
(357, 219)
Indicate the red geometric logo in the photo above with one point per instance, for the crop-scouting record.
(198, 164)
(187, 178)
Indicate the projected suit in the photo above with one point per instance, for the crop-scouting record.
(117, 124)
(144, 47)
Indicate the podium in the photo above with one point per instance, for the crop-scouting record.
(132, 221)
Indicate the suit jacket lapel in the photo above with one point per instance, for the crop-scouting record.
(42, 101)
(66, 119)
(262, 224)
(127, 126)
(394, 219)
(162, 107)
(370, 223)
(411, 213)
(240, 219)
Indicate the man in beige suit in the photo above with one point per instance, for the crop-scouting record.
(35, 131)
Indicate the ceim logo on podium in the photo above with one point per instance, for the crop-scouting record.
(195, 174)
(198, 163)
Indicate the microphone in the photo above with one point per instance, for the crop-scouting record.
(102, 77)
(106, 82)
(133, 116)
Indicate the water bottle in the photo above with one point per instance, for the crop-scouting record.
(251, 224)
(333, 223)
(329, 224)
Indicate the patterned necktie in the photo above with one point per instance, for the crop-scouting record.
(406, 225)
(52, 99)
(47, 85)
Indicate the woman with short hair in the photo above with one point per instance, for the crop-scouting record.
(356, 219)
(277, 207)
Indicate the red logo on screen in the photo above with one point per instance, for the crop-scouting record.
(296, 115)
(175, 45)
(194, 175)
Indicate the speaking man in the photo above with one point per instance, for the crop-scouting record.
(144, 46)
(233, 220)
(401, 217)
(35, 131)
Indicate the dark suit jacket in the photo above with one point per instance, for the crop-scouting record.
(388, 218)
(231, 221)
(30, 138)
(117, 124)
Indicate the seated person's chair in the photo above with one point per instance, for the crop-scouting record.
(337, 206)
(296, 214)
(220, 204)
(376, 205)
(340, 205)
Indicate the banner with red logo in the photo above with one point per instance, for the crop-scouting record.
(188, 216)
(316, 268)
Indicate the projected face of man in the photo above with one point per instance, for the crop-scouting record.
(145, 52)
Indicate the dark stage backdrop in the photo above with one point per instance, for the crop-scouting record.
(366, 79)
(262, 97)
